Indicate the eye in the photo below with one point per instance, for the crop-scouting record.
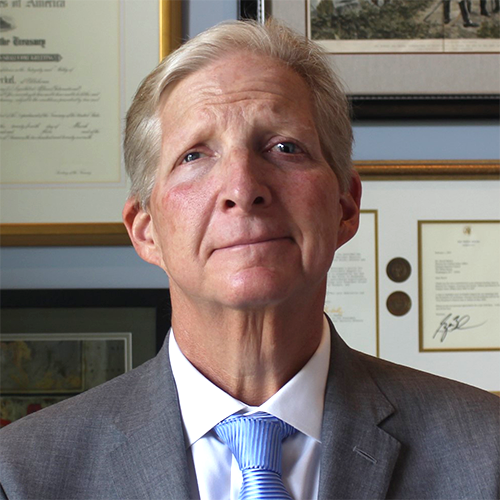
(193, 156)
(287, 147)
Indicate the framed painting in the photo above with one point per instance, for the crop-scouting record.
(55, 344)
(401, 59)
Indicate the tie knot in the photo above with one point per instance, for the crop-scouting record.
(255, 440)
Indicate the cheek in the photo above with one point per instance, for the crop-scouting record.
(181, 215)
(317, 195)
(318, 212)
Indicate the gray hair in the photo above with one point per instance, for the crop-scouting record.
(142, 143)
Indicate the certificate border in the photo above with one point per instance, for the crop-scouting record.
(421, 292)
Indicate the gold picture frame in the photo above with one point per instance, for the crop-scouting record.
(76, 230)
(170, 26)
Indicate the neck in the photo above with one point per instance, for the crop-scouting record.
(250, 354)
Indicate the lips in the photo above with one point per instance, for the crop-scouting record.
(250, 241)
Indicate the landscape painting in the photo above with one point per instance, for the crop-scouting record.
(385, 26)
(39, 370)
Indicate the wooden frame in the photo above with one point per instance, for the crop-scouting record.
(429, 170)
(100, 234)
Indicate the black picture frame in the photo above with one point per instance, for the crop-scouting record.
(71, 340)
(426, 107)
(156, 299)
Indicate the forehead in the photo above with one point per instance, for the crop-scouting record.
(239, 80)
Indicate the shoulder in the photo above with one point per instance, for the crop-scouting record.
(448, 432)
(401, 383)
(87, 421)
(436, 409)
(69, 450)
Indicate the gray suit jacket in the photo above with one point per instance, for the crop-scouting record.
(388, 432)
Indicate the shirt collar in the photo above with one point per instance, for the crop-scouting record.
(203, 405)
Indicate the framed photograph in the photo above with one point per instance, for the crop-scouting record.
(55, 344)
(459, 285)
(65, 91)
(406, 59)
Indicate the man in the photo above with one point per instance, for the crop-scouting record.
(238, 147)
(465, 10)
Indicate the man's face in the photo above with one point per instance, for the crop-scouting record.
(245, 211)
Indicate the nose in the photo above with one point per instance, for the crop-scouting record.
(245, 183)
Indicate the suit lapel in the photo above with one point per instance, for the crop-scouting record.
(358, 457)
(150, 461)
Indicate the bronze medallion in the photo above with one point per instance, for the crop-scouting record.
(398, 303)
(398, 269)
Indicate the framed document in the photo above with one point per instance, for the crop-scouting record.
(459, 285)
(68, 71)
(403, 52)
(352, 288)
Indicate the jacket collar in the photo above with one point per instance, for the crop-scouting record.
(358, 457)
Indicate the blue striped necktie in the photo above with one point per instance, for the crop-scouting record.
(255, 441)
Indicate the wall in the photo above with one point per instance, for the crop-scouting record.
(120, 267)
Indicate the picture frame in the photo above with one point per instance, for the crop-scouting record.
(67, 341)
(67, 311)
(31, 209)
(422, 85)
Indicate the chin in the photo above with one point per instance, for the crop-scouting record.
(257, 290)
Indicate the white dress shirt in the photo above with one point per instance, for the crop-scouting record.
(214, 472)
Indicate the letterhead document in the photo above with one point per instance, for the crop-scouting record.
(459, 273)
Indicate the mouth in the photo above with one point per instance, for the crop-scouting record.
(254, 242)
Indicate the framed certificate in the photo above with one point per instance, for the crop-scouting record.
(69, 70)
(459, 285)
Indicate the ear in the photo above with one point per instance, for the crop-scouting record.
(139, 225)
(350, 202)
